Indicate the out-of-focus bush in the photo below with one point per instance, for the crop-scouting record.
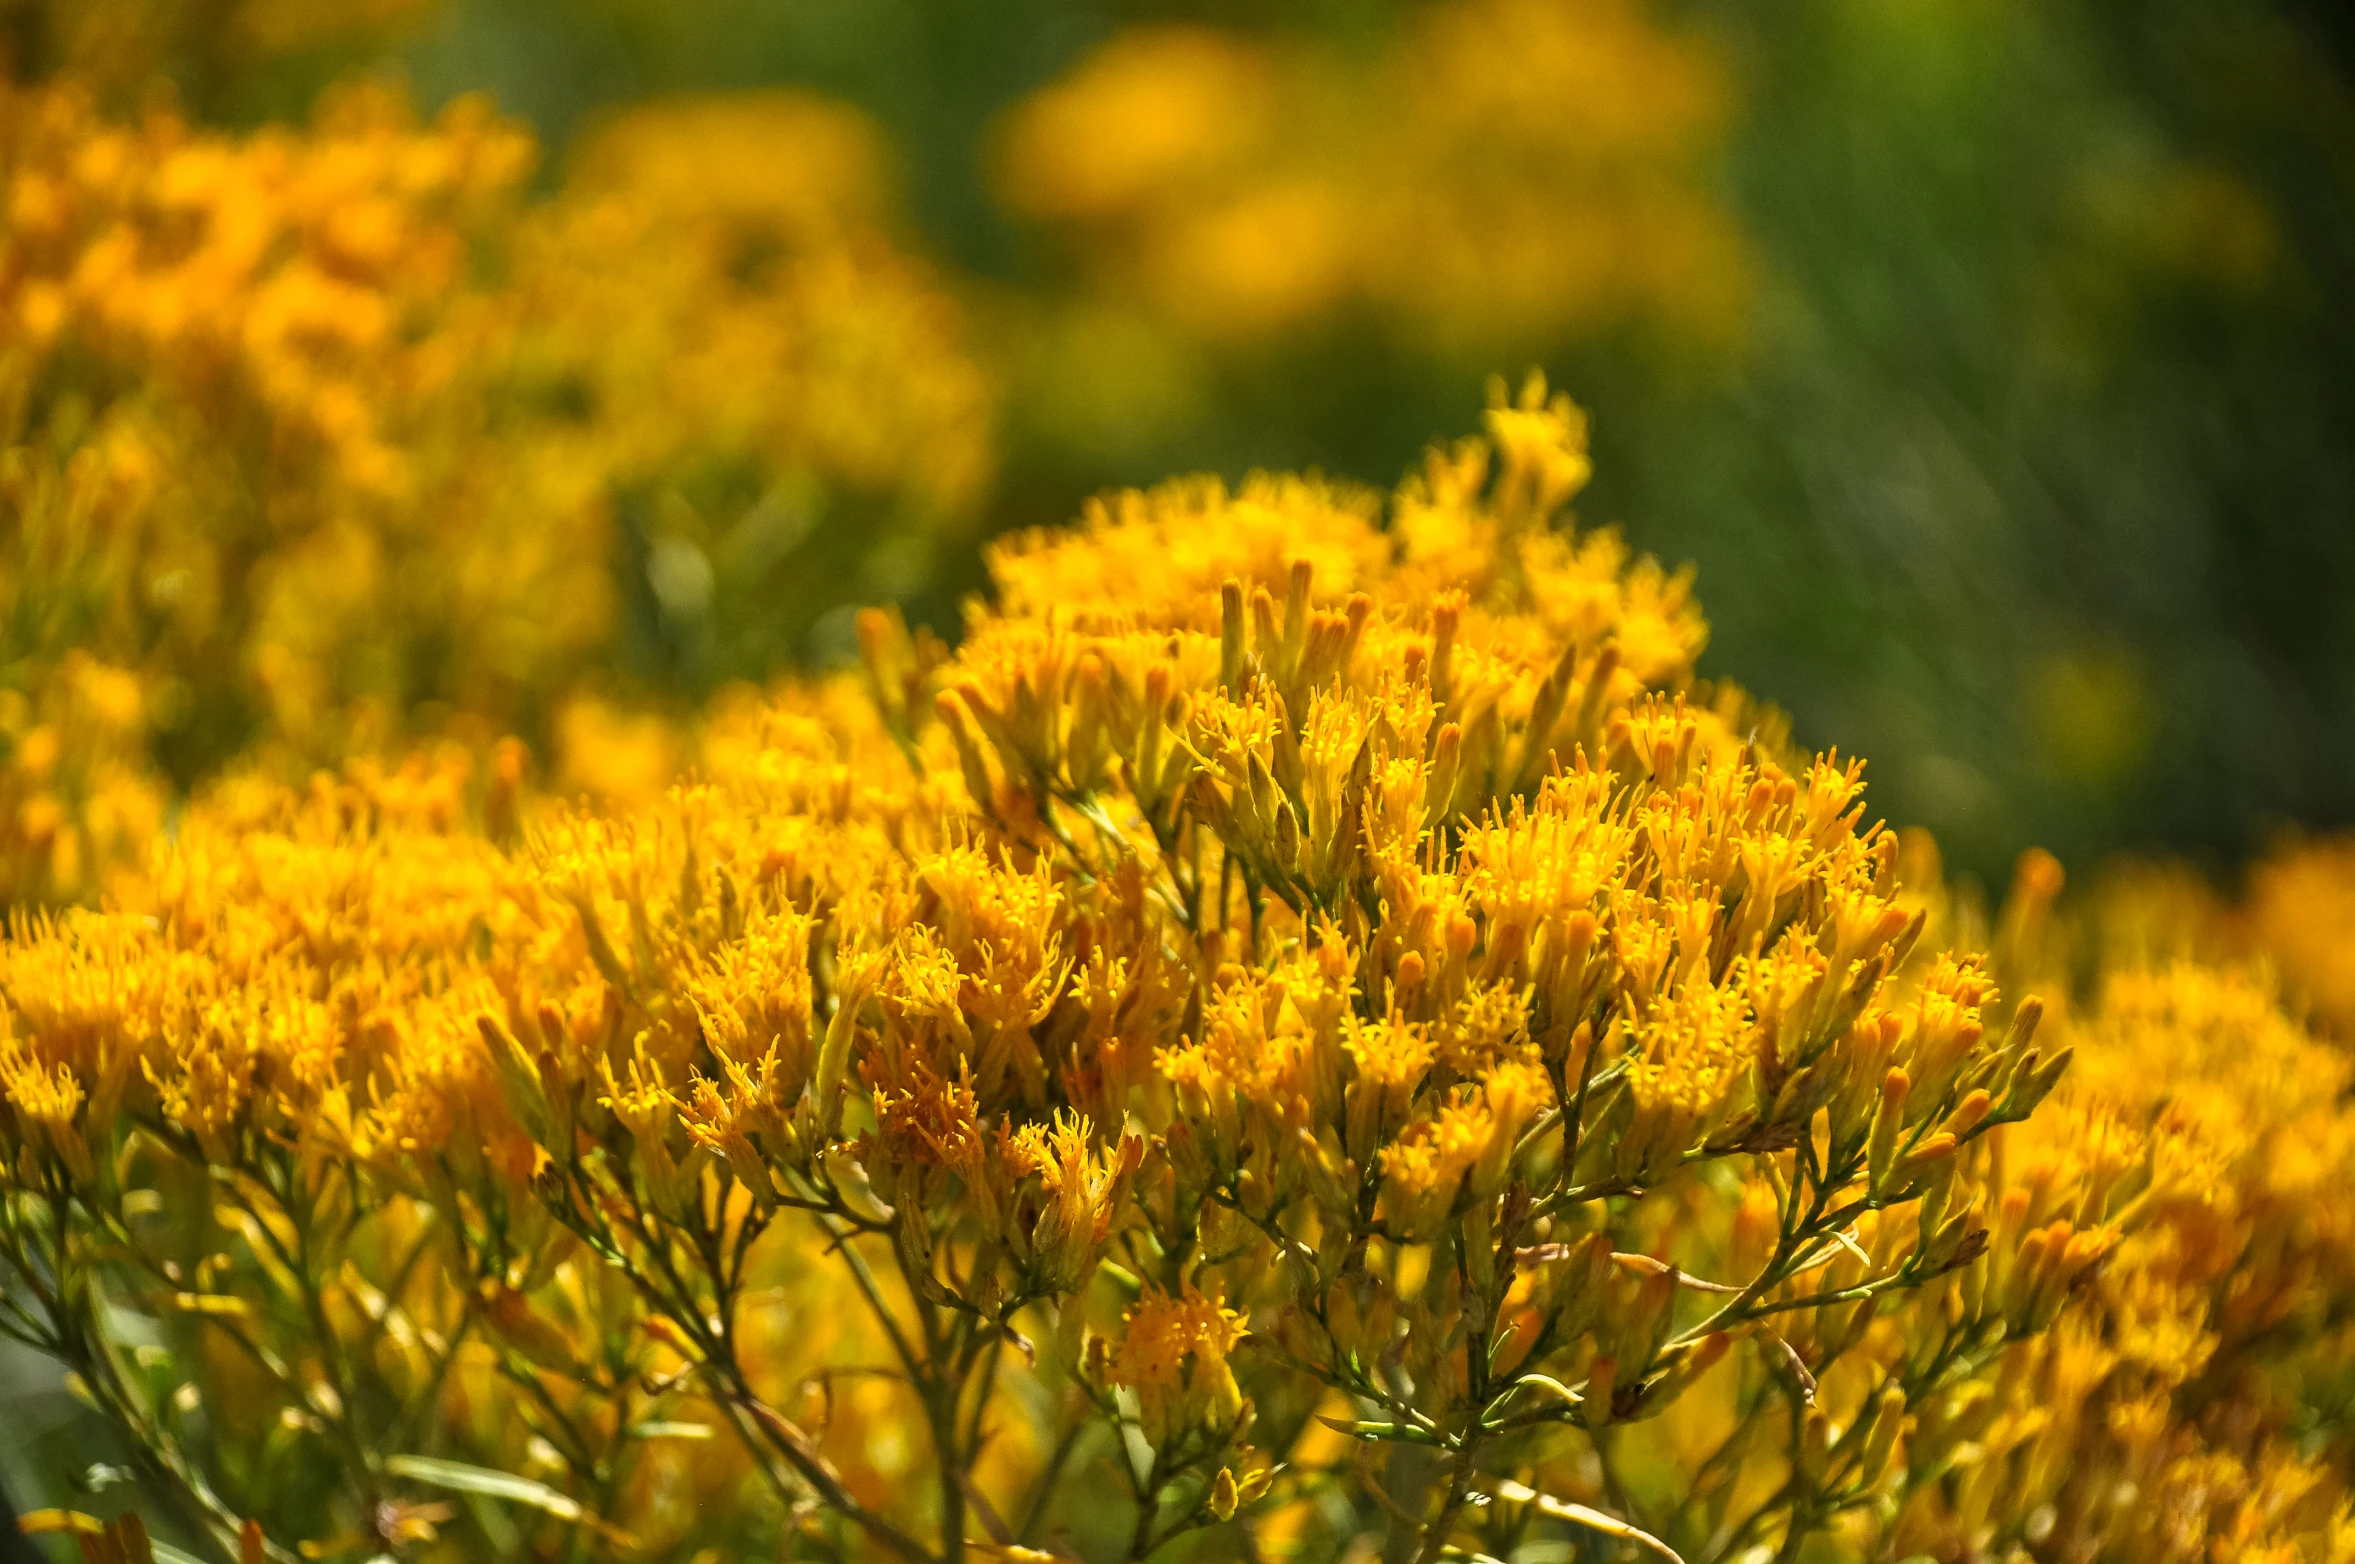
(2300, 912)
(2293, 912)
(1500, 172)
(221, 58)
(322, 437)
(2016, 421)
(243, 381)
(1298, 245)
(77, 793)
(717, 323)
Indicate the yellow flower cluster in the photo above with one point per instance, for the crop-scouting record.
(755, 304)
(1173, 1352)
(1500, 171)
(225, 393)
(322, 438)
(1308, 1019)
(2194, 1270)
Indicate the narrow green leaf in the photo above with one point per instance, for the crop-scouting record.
(1580, 1515)
(674, 1431)
(462, 1478)
(1386, 1433)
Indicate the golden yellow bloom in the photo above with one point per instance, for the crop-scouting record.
(1470, 1138)
(45, 1104)
(1173, 1354)
(1084, 1189)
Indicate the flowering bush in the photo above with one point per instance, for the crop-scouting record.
(1308, 1019)
(315, 441)
(228, 408)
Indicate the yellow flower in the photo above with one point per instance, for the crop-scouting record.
(45, 1102)
(1084, 1189)
(1174, 1354)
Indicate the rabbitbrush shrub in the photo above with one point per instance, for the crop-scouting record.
(1307, 1026)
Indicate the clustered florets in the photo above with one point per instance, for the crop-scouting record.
(1301, 975)
(1308, 1021)
(1282, 981)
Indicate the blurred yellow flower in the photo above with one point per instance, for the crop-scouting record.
(1503, 171)
(2300, 914)
(719, 280)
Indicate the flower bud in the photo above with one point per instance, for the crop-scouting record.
(1880, 1445)
(1888, 1119)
